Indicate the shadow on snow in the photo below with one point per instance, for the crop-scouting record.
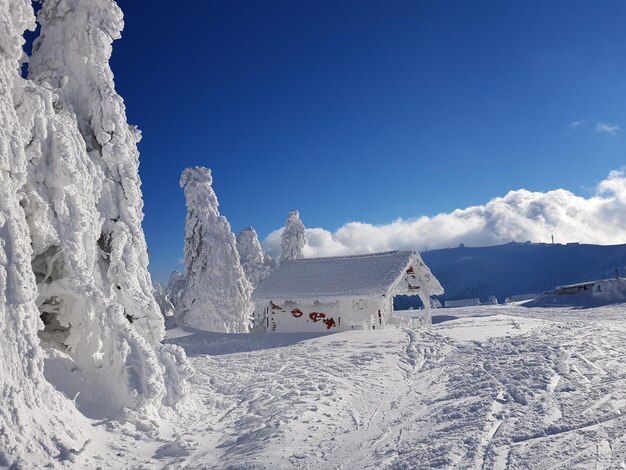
(199, 342)
(443, 318)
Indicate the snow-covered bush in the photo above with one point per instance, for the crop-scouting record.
(491, 300)
(293, 238)
(216, 294)
(251, 255)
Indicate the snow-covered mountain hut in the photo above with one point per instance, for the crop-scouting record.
(341, 293)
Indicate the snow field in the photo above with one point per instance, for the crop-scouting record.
(510, 388)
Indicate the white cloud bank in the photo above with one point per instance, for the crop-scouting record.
(520, 215)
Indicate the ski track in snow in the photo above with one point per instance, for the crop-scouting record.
(498, 387)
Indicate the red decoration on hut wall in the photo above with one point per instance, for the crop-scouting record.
(329, 322)
(316, 316)
(296, 312)
(410, 270)
(275, 307)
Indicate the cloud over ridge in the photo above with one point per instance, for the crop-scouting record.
(520, 215)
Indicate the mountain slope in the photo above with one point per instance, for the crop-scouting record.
(521, 268)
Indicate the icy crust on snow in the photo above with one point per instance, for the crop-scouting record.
(36, 421)
(346, 276)
(71, 245)
(256, 266)
(216, 293)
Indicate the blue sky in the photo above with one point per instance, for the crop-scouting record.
(368, 110)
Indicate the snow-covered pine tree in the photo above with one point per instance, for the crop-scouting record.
(216, 296)
(72, 56)
(83, 206)
(251, 255)
(36, 421)
(73, 259)
(293, 238)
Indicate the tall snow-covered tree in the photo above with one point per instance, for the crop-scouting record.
(72, 56)
(36, 421)
(72, 250)
(293, 238)
(73, 259)
(216, 296)
(251, 254)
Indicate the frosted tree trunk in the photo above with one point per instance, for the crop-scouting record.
(251, 254)
(293, 238)
(216, 296)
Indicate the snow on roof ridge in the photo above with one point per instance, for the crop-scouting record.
(361, 255)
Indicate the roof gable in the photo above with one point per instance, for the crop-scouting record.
(345, 276)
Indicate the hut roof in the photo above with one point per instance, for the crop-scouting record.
(367, 275)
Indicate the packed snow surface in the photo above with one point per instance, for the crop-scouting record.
(485, 387)
(317, 278)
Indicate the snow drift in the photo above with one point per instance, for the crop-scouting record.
(73, 258)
